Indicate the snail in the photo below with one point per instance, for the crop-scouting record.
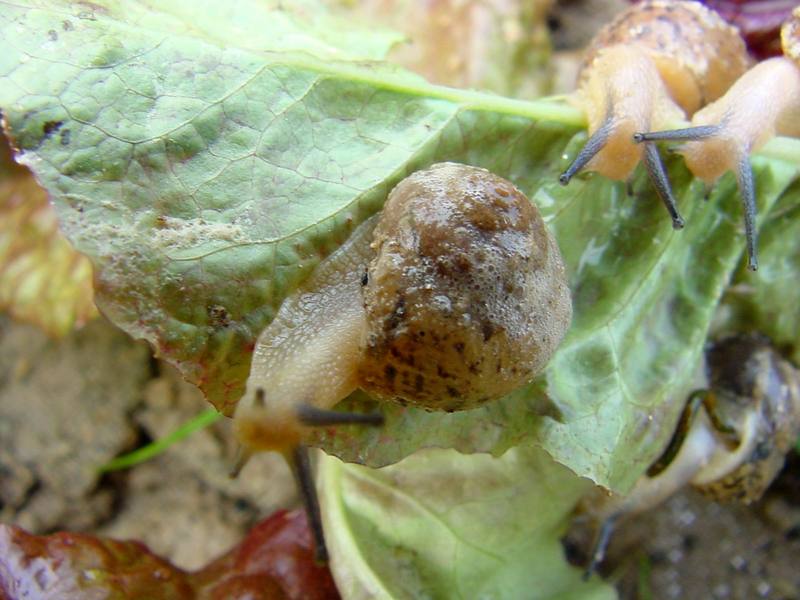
(453, 296)
(731, 439)
(762, 103)
(657, 62)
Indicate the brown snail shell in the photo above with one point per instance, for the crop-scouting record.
(697, 53)
(454, 295)
(758, 390)
(466, 298)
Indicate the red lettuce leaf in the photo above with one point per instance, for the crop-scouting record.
(275, 561)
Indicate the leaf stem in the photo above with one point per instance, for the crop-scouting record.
(385, 76)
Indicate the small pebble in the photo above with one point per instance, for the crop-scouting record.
(686, 518)
(723, 590)
(675, 591)
(738, 562)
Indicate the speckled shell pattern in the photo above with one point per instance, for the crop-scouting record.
(745, 370)
(466, 297)
(697, 53)
(790, 37)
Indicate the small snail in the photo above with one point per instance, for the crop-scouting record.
(731, 440)
(762, 103)
(655, 63)
(453, 296)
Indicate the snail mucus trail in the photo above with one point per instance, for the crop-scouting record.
(731, 441)
(453, 296)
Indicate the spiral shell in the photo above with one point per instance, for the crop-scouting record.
(697, 53)
(466, 297)
(759, 391)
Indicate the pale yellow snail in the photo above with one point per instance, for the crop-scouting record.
(454, 295)
(655, 64)
(762, 103)
(731, 440)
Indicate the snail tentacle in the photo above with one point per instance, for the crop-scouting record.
(594, 144)
(658, 175)
(300, 464)
(600, 545)
(747, 191)
(701, 132)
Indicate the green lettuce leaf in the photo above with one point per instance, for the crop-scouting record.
(436, 525)
(770, 303)
(205, 172)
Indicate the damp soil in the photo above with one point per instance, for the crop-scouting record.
(68, 407)
(692, 547)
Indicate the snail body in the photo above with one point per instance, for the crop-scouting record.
(454, 295)
(732, 439)
(762, 103)
(309, 352)
(657, 62)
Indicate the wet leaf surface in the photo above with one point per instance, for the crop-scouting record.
(205, 182)
(439, 525)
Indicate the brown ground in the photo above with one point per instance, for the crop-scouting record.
(68, 407)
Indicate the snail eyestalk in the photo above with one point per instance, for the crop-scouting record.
(260, 398)
(655, 168)
(596, 142)
(243, 456)
(598, 552)
(686, 134)
(744, 176)
(707, 400)
(681, 431)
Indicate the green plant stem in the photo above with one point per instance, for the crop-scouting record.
(140, 455)
(643, 578)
